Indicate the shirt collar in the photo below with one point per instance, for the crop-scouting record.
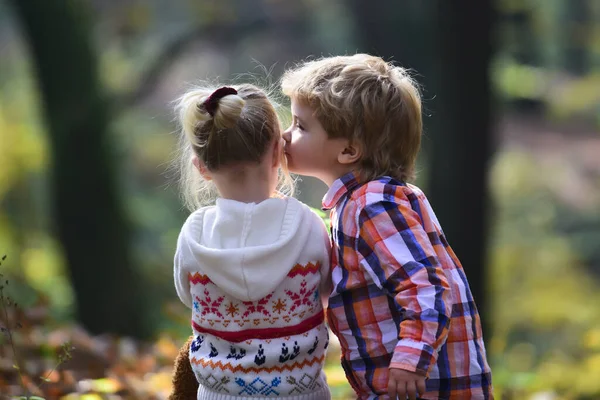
(339, 188)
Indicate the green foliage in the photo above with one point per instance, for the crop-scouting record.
(545, 316)
(544, 311)
(324, 215)
(548, 52)
(10, 329)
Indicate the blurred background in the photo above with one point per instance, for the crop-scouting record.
(89, 213)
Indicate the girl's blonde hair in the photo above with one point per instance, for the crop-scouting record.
(368, 101)
(231, 130)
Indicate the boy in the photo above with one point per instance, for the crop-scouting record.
(400, 304)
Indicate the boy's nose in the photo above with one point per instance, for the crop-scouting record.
(287, 135)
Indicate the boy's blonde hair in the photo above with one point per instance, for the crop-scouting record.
(239, 130)
(368, 101)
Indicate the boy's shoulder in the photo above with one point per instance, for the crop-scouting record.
(385, 189)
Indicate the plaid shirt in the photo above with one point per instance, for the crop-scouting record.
(400, 297)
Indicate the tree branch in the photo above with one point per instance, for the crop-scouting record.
(223, 36)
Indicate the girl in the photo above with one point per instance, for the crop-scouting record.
(251, 266)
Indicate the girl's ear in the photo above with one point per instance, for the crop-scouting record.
(277, 152)
(201, 167)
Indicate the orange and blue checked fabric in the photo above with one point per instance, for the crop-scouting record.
(400, 297)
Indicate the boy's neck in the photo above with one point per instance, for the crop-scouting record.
(343, 171)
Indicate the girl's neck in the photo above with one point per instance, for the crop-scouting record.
(246, 186)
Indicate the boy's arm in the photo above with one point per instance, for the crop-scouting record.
(397, 254)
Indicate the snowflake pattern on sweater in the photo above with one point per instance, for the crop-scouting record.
(271, 347)
(251, 274)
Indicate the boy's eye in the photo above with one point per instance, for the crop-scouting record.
(299, 126)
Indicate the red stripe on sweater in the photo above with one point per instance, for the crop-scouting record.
(265, 333)
(304, 270)
(199, 278)
(298, 269)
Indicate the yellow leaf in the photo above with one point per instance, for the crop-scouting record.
(166, 348)
(103, 385)
(90, 396)
(592, 339)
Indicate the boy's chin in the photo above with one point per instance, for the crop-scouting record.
(296, 171)
(304, 173)
(313, 175)
(301, 172)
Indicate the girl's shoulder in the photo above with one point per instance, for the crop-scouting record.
(193, 223)
(311, 214)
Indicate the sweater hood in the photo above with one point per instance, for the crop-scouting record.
(246, 249)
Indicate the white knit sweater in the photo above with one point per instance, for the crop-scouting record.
(252, 274)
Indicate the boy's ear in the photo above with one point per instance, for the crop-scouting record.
(201, 167)
(350, 154)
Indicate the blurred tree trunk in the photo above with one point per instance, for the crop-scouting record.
(398, 32)
(88, 213)
(461, 141)
(577, 18)
(527, 50)
(450, 47)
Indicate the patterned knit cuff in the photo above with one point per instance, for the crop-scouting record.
(413, 356)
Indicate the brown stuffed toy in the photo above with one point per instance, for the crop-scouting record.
(185, 385)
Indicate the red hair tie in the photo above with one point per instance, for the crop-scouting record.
(211, 104)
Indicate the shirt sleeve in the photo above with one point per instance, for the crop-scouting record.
(182, 282)
(397, 254)
(325, 245)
